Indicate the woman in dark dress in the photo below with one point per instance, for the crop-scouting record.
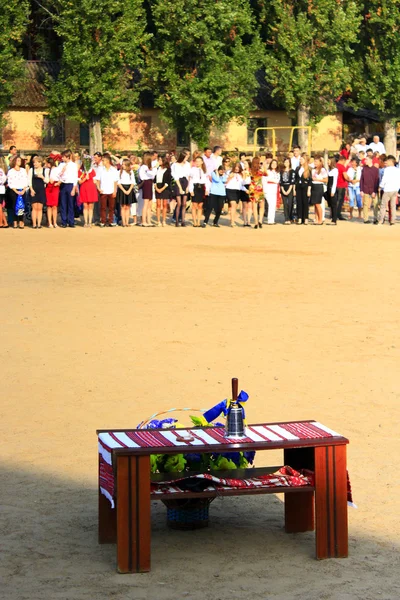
(37, 188)
(163, 190)
(287, 187)
(303, 190)
(126, 191)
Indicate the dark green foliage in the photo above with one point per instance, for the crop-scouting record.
(203, 63)
(14, 22)
(309, 59)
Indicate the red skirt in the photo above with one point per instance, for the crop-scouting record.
(88, 192)
(52, 194)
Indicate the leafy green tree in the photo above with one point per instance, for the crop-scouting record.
(378, 82)
(102, 46)
(310, 57)
(14, 22)
(203, 63)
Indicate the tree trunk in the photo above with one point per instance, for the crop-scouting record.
(95, 137)
(390, 136)
(303, 120)
(193, 146)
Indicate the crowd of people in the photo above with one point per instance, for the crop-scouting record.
(153, 190)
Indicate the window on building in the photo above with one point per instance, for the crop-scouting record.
(182, 138)
(84, 139)
(53, 131)
(253, 124)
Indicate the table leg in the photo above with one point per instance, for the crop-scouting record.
(299, 506)
(133, 514)
(107, 521)
(331, 502)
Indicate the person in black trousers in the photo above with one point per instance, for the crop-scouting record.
(303, 190)
(287, 186)
(331, 195)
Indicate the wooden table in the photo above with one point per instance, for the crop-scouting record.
(323, 507)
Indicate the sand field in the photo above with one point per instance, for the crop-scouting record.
(101, 328)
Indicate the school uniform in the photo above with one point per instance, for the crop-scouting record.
(302, 185)
(126, 180)
(287, 180)
(233, 187)
(217, 197)
(107, 179)
(17, 180)
(146, 177)
(68, 175)
(163, 178)
(198, 185)
(317, 187)
(181, 173)
(331, 193)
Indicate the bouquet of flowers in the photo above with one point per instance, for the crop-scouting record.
(86, 163)
(204, 462)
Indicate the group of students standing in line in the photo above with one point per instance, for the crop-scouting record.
(115, 194)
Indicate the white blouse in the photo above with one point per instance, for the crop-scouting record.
(197, 175)
(318, 177)
(160, 175)
(235, 183)
(180, 170)
(3, 179)
(126, 178)
(145, 173)
(51, 174)
(17, 180)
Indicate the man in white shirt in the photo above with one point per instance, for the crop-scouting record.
(209, 161)
(390, 185)
(68, 175)
(106, 180)
(360, 144)
(295, 160)
(96, 164)
(217, 156)
(376, 145)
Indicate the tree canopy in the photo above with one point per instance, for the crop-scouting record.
(14, 22)
(200, 60)
(203, 63)
(103, 46)
(377, 82)
(310, 46)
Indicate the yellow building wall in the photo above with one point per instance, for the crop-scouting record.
(24, 129)
(328, 134)
(235, 134)
(146, 130)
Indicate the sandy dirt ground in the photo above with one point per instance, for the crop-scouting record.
(101, 328)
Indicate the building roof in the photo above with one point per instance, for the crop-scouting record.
(30, 93)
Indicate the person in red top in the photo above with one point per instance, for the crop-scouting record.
(345, 151)
(88, 194)
(342, 184)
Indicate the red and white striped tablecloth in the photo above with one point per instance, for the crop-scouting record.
(200, 437)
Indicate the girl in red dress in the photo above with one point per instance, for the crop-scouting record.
(53, 183)
(88, 194)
